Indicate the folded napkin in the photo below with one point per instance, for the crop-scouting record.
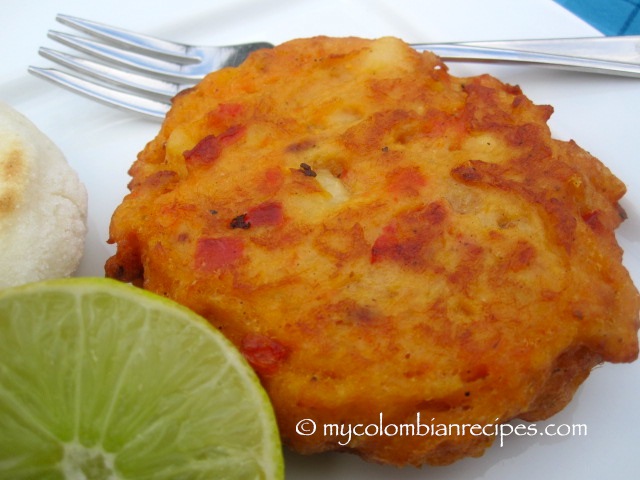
(611, 17)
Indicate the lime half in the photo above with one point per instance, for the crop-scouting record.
(102, 380)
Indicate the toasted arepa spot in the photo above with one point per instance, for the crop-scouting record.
(13, 176)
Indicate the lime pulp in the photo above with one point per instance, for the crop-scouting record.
(101, 380)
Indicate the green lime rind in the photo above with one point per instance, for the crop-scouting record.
(103, 380)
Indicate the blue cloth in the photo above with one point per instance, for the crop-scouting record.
(611, 17)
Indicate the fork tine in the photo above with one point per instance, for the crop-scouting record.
(129, 59)
(132, 40)
(115, 76)
(108, 96)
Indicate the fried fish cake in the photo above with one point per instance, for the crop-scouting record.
(383, 240)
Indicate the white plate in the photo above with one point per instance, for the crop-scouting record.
(600, 113)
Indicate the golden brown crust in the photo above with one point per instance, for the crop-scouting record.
(378, 236)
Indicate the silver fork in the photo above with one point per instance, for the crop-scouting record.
(141, 73)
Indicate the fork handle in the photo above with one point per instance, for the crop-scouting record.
(625, 48)
(463, 52)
